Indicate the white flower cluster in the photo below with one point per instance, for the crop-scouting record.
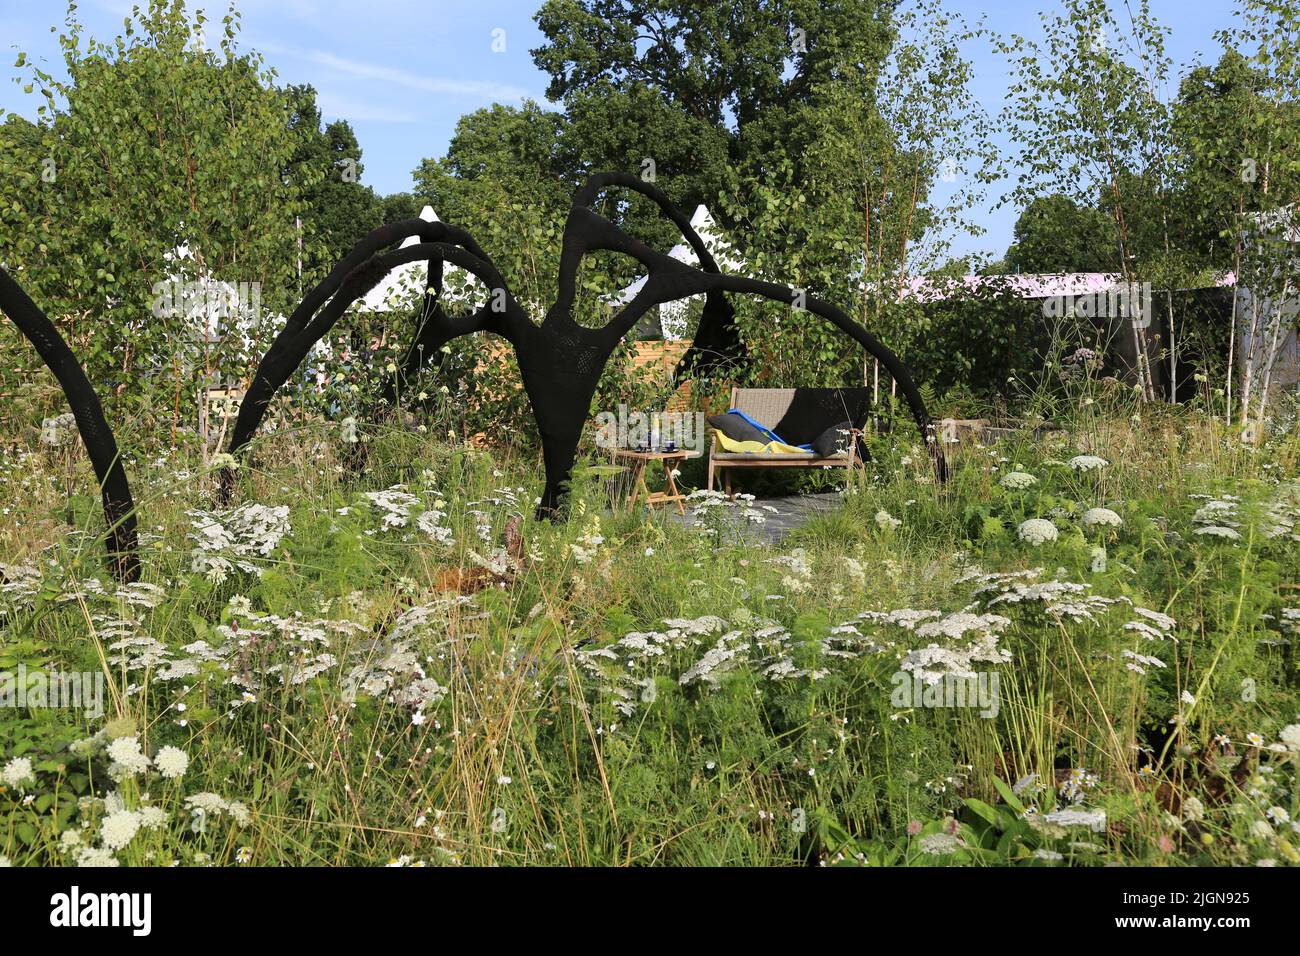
(233, 539)
(708, 507)
(799, 573)
(206, 804)
(431, 523)
(395, 504)
(1101, 518)
(587, 547)
(1087, 463)
(60, 431)
(17, 772)
(1036, 531)
(887, 522)
(1094, 820)
(1017, 480)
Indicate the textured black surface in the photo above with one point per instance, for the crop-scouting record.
(115, 490)
(559, 360)
(813, 409)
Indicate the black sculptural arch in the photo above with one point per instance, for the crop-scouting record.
(115, 490)
(560, 361)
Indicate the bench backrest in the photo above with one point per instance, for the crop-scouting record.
(799, 415)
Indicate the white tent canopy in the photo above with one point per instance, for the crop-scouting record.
(672, 315)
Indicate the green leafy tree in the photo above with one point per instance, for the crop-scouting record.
(1056, 234)
(154, 141)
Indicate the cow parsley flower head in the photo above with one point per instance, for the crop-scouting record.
(118, 829)
(152, 818)
(17, 771)
(1218, 531)
(1037, 531)
(941, 844)
(886, 521)
(1017, 480)
(1087, 463)
(96, 856)
(1102, 518)
(1290, 737)
(127, 757)
(172, 762)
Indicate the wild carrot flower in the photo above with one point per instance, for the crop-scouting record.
(1101, 517)
(17, 771)
(1017, 480)
(886, 522)
(118, 829)
(1087, 463)
(1036, 531)
(172, 762)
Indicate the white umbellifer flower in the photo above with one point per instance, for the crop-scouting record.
(1087, 463)
(940, 844)
(1017, 480)
(152, 817)
(96, 856)
(1094, 820)
(4, 861)
(1102, 517)
(127, 757)
(1036, 531)
(884, 520)
(172, 762)
(17, 771)
(1193, 810)
(1050, 855)
(1290, 737)
(118, 829)
(1218, 531)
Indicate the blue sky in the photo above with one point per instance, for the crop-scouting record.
(403, 71)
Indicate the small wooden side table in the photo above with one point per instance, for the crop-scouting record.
(637, 461)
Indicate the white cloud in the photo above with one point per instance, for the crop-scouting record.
(343, 107)
(474, 89)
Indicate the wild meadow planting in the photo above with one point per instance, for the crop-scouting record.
(1080, 650)
(339, 527)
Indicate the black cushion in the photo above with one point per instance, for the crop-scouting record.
(737, 429)
(833, 441)
(813, 410)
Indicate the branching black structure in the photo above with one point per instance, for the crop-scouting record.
(560, 361)
(119, 510)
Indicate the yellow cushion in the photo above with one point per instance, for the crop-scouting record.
(758, 448)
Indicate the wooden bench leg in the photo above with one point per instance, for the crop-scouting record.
(710, 484)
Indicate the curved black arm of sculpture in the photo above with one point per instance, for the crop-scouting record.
(561, 391)
(716, 342)
(115, 490)
(366, 270)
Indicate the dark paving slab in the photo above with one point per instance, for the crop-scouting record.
(792, 511)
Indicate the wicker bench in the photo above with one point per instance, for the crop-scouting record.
(805, 413)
